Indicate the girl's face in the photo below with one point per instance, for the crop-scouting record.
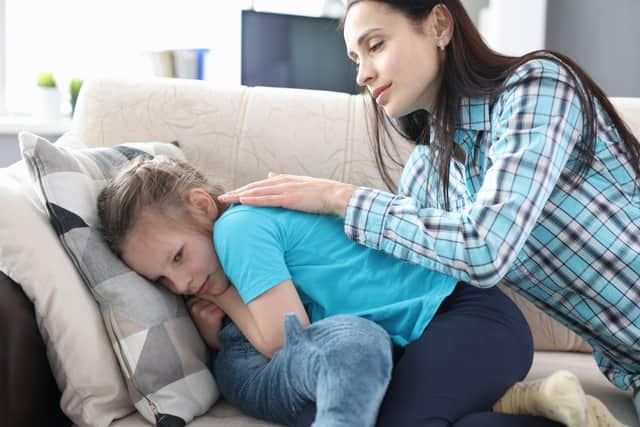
(399, 60)
(180, 257)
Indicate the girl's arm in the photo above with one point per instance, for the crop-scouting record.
(207, 317)
(262, 320)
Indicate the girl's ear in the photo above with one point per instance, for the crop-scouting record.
(201, 202)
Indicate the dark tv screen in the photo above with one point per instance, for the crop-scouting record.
(295, 51)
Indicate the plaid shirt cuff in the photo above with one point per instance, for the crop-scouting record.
(365, 216)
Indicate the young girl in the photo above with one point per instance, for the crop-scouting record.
(158, 216)
(523, 173)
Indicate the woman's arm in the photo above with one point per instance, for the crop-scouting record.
(534, 129)
(262, 320)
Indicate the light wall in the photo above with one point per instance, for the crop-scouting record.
(603, 37)
(512, 27)
(9, 151)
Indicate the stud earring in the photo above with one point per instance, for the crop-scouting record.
(441, 45)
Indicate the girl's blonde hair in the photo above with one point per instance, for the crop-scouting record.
(159, 184)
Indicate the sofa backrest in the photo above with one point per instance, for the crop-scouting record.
(237, 134)
(234, 135)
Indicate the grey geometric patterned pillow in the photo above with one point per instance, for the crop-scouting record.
(161, 355)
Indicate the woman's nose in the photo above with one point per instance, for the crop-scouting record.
(365, 74)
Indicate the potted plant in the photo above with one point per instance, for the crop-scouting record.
(50, 99)
(74, 91)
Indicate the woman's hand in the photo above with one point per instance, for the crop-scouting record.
(208, 319)
(300, 193)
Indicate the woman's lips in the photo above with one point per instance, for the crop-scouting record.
(379, 91)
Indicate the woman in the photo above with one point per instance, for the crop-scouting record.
(523, 173)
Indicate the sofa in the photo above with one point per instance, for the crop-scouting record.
(56, 365)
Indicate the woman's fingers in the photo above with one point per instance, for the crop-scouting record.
(289, 196)
(302, 193)
(271, 180)
(263, 200)
(269, 185)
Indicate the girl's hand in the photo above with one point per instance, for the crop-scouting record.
(300, 193)
(208, 319)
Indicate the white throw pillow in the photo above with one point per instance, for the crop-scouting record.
(159, 349)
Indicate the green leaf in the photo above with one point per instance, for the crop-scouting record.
(46, 80)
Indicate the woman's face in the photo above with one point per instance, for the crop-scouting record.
(399, 60)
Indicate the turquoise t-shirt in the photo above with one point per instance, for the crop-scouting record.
(261, 247)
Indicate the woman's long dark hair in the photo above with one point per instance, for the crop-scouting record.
(472, 69)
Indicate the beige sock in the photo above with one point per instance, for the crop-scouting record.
(558, 397)
(599, 415)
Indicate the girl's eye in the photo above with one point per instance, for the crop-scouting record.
(178, 255)
(376, 46)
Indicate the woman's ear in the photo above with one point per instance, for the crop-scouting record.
(201, 202)
(441, 25)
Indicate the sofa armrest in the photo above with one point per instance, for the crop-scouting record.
(29, 395)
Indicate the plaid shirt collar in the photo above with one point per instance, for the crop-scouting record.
(475, 114)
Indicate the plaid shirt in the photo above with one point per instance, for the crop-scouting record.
(516, 217)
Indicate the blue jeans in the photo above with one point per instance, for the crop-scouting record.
(342, 363)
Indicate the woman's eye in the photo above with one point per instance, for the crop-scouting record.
(376, 46)
(178, 255)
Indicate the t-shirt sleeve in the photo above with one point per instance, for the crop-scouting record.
(251, 248)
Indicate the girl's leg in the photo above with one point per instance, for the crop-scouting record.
(343, 363)
(477, 346)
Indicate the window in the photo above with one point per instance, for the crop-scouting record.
(90, 38)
